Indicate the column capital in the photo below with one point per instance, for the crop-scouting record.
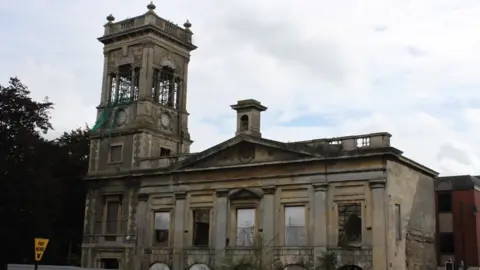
(180, 195)
(377, 183)
(222, 192)
(269, 189)
(322, 186)
(143, 197)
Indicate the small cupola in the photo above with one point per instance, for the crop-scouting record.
(248, 116)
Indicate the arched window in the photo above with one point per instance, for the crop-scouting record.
(350, 267)
(166, 87)
(159, 266)
(199, 266)
(124, 84)
(243, 122)
(294, 267)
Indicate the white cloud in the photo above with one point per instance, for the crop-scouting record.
(406, 67)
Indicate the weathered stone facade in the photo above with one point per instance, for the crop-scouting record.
(247, 200)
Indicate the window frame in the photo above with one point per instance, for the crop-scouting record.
(450, 207)
(108, 199)
(110, 161)
(192, 226)
(170, 228)
(306, 218)
(235, 206)
(362, 225)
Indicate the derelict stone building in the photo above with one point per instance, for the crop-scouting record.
(153, 204)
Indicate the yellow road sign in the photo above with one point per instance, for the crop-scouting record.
(40, 246)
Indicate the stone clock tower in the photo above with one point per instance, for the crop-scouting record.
(142, 111)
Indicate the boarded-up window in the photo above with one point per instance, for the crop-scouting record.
(245, 227)
(295, 229)
(201, 227)
(116, 153)
(113, 213)
(398, 222)
(162, 228)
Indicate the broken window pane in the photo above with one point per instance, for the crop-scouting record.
(162, 227)
(125, 86)
(295, 229)
(112, 221)
(349, 224)
(245, 227)
(201, 227)
(165, 87)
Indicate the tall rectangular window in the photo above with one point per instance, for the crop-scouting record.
(445, 202)
(113, 217)
(162, 228)
(295, 226)
(201, 227)
(447, 244)
(350, 224)
(398, 222)
(245, 227)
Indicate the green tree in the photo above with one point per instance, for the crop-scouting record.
(40, 180)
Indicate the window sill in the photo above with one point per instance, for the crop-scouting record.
(115, 162)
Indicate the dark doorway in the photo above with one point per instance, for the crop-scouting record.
(109, 263)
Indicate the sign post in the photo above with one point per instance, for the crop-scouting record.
(40, 246)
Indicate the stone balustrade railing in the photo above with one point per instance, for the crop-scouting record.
(349, 143)
(149, 19)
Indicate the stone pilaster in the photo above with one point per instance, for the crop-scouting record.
(179, 227)
(320, 237)
(379, 228)
(141, 227)
(268, 215)
(221, 223)
(105, 83)
(146, 72)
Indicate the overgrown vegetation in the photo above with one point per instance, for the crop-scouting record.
(40, 180)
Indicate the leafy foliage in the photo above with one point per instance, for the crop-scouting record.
(43, 194)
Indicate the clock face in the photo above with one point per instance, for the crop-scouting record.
(165, 120)
(121, 117)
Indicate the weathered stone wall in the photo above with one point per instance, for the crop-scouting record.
(414, 192)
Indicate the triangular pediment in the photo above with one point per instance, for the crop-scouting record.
(245, 193)
(243, 151)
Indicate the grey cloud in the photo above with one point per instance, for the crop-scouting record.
(282, 41)
(451, 152)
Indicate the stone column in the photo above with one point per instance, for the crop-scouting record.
(221, 224)
(178, 230)
(141, 227)
(146, 72)
(105, 83)
(379, 243)
(320, 237)
(268, 215)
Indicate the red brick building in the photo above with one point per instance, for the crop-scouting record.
(458, 224)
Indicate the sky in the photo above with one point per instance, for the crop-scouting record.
(323, 68)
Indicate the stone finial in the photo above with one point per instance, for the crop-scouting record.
(187, 24)
(151, 6)
(110, 18)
